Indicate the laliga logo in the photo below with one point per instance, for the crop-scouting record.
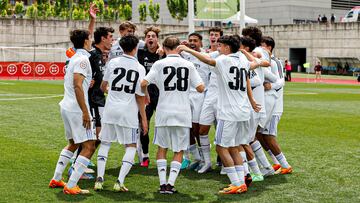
(40, 69)
(26, 69)
(54, 69)
(11, 69)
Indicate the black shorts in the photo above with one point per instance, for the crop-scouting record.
(96, 112)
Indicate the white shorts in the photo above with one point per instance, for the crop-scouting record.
(196, 103)
(172, 137)
(117, 133)
(73, 125)
(232, 133)
(209, 110)
(270, 101)
(271, 127)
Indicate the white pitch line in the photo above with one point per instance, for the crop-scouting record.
(300, 93)
(29, 98)
(6, 83)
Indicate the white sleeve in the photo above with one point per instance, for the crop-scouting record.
(141, 71)
(195, 79)
(108, 71)
(152, 75)
(269, 75)
(82, 66)
(254, 79)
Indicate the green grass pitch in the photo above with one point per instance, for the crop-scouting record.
(319, 133)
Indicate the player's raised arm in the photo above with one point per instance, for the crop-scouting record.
(92, 11)
(202, 57)
(254, 62)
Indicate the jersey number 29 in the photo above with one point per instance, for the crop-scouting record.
(131, 76)
(182, 75)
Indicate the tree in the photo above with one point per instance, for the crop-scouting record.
(142, 12)
(31, 11)
(19, 8)
(178, 8)
(154, 11)
(4, 5)
(126, 12)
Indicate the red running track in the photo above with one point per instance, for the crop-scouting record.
(326, 81)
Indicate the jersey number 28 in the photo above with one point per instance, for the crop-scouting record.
(182, 75)
(131, 76)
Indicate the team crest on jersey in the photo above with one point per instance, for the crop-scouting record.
(83, 64)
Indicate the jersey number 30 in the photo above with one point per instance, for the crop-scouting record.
(182, 75)
(131, 76)
(240, 76)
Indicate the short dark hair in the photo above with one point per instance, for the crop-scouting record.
(196, 35)
(78, 37)
(269, 41)
(171, 42)
(216, 29)
(248, 42)
(127, 24)
(253, 32)
(102, 32)
(154, 29)
(230, 41)
(129, 43)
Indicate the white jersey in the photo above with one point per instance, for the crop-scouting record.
(278, 109)
(202, 68)
(233, 102)
(173, 76)
(274, 79)
(258, 92)
(79, 63)
(212, 86)
(124, 75)
(117, 51)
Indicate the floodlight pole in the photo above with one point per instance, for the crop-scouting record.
(242, 15)
(191, 16)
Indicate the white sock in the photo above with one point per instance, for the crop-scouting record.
(205, 147)
(275, 161)
(174, 172)
(63, 161)
(102, 158)
(161, 166)
(145, 155)
(281, 158)
(254, 166)
(260, 155)
(245, 162)
(195, 152)
(127, 162)
(80, 165)
(240, 172)
(233, 176)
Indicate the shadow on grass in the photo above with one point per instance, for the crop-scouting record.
(72, 198)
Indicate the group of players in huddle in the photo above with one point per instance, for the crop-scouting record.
(236, 84)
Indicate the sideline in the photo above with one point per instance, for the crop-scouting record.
(29, 98)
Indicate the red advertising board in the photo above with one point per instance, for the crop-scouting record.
(32, 70)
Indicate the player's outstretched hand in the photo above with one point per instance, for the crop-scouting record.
(92, 82)
(267, 86)
(93, 10)
(255, 106)
(86, 120)
(181, 48)
(144, 125)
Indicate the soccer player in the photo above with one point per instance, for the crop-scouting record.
(273, 102)
(124, 101)
(233, 111)
(196, 101)
(76, 115)
(209, 107)
(173, 76)
(147, 56)
(259, 118)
